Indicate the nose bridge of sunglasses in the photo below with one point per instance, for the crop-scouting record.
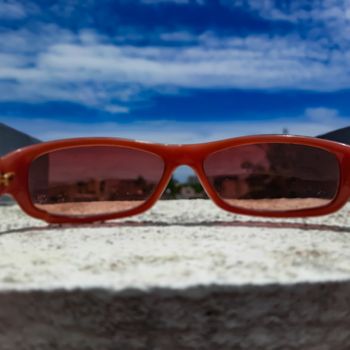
(183, 155)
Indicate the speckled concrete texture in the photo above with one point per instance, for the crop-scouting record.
(185, 275)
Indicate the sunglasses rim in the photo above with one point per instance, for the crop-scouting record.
(192, 155)
(109, 147)
(291, 212)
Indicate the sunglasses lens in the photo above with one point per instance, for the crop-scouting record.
(274, 177)
(93, 180)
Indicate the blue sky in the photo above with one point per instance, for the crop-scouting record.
(174, 70)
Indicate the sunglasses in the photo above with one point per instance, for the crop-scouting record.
(96, 179)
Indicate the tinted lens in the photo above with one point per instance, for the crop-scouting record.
(274, 177)
(88, 181)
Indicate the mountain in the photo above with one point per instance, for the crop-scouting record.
(340, 135)
(12, 139)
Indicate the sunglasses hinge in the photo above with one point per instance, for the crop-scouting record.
(6, 179)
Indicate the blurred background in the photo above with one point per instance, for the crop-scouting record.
(174, 71)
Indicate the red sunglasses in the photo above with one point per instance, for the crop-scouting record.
(96, 179)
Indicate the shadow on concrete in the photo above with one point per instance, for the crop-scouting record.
(298, 316)
(233, 223)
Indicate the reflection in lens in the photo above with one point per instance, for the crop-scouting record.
(93, 180)
(273, 176)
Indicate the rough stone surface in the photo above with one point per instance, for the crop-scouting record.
(186, 275)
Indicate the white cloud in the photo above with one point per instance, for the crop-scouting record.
(50, 63)
(313, 122)
(179, 36)
(329, 19)
(323, 115)
(12, 10)
(164, 1)
(90, 69)
(293, 10)
(114, 108)
(179, 2)
(16, 10)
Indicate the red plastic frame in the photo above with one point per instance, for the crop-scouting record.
(193, 155)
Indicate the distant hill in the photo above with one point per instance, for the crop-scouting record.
(12, 139)
(340, 135)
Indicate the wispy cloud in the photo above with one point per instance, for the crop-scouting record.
(324, 115)
(294, 10)
(180, 2)
(312, 122)
(15, 10)
(91, 69)
(41, 62)
(328, 19)
(12, 10)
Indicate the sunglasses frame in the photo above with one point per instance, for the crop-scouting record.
(14, 171)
